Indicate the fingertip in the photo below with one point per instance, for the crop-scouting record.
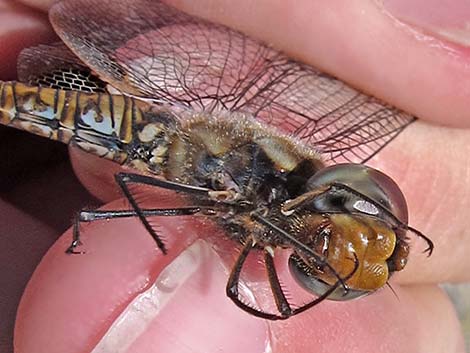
(412, 321)
(78, 295)
(20, 27)
(123, 294)
(429, 165)
(186, 311)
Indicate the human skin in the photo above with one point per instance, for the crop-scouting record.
(430, 163)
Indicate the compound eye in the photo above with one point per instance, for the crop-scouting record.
(306, 278)
(368, 181)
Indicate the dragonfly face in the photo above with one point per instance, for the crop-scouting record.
(354, 226)
(244, 132)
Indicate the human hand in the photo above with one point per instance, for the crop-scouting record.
(422, 319)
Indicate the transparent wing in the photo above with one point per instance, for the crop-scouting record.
(151, 50)
(55, 66)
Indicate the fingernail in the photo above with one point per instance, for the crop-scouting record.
(186, 310)
(448, 20)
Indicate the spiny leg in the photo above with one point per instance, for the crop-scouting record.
(281, 301)
(279, 297)
(232, 284)
(297, 245)
(95, 215)
(428, 241)
(123, 179)
(234, 280)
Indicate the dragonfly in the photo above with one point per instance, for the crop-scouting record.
(269, 148)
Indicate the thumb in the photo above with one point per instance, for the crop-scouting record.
(123, 295)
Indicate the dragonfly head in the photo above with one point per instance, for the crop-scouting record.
(355, 218)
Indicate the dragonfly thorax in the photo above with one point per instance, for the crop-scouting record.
(262, 167)
(239, 154)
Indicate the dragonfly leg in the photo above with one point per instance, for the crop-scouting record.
(124, 179)
(95, 215)
(279, 297)
(232, 290)
(76, 237)
(164, 184)
(299, 246)
(281, 301)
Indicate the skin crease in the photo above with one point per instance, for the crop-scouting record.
(422, 320)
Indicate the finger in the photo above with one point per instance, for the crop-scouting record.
(352, 41)
(42, 5)
(31, 177)
(33, 212)
(20, 27)
(87, 293)
(24, 239)
(450, 173)
(406, 324)
(431, 165)
(116, 298)
(362, 43)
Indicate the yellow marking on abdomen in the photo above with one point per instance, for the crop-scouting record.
(48, 109)
(92, 120)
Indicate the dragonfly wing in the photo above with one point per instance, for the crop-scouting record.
(151, 50)
(120, 41)
(55, 66)
(342, 123)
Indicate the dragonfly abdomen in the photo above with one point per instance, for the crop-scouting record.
(99, 123)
